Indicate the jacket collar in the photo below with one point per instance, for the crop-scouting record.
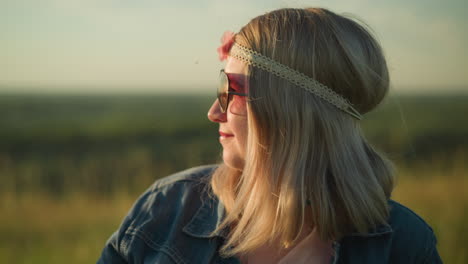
(378, 231)
(207, 219)
(211, 213)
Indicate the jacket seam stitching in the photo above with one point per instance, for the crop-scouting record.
(123, 248)
(156, 246)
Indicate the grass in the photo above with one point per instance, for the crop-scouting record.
(438, 194)
(38, 229)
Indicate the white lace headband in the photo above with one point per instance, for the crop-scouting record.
(256, 59)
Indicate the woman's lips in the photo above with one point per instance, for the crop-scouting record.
(225, 135)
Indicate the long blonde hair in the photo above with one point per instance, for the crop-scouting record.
(304, 156)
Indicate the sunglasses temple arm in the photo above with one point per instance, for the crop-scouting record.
(241, 94)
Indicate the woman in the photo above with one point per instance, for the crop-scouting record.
(298, 183)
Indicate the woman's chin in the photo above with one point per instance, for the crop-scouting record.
(233, 162)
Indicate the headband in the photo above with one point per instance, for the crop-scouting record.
(311, 85)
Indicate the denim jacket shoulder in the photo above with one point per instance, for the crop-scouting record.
(175, 219)
(406, 239)
(172, 222)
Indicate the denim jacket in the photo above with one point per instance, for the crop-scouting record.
(173, 221)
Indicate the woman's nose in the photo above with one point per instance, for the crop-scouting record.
(215, 114)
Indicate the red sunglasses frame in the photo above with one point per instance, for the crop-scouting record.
(223, 91)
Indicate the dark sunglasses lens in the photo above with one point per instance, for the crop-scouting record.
(223, 91)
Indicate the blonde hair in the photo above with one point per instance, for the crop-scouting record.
(304, 156)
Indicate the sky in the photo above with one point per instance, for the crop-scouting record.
(170, 46)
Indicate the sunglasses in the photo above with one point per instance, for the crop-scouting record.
(224, 93)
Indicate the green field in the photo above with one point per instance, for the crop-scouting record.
(71, 166)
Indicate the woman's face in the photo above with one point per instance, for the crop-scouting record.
(233, 123)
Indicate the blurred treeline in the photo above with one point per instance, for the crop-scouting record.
(70, 166)
(100, 144)
(103, 144)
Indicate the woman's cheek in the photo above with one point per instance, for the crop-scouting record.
(238, 105)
